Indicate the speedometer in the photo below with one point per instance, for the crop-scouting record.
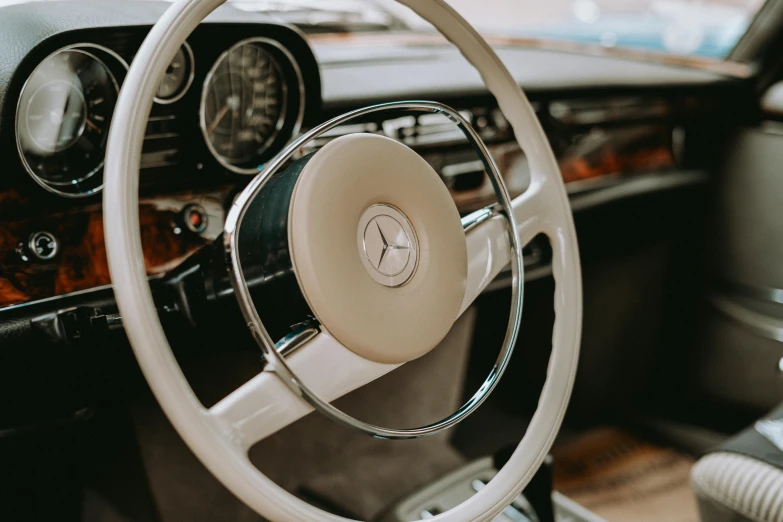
(245, 104)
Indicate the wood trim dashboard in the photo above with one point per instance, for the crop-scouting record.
(610, 154)
(81, 264)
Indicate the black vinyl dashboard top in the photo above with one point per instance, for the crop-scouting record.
(354, 74)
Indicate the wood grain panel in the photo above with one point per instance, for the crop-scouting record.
(81, 263)
(613, 161)
(616, 152)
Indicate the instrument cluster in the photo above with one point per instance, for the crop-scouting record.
(231, 110)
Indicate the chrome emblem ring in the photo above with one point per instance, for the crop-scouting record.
(387, 245)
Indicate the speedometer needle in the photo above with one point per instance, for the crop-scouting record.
(217, 119)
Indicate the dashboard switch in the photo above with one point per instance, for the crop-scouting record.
(43, 245)
(195, 218)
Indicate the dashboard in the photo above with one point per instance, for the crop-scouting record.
(241, 88)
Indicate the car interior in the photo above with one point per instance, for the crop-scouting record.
(391, 260)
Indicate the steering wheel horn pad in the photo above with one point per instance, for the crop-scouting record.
(343, 180)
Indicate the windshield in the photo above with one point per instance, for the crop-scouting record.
(705, 28)
(708, 28)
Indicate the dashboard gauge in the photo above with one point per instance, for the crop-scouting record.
(56, 116)
(62, 120)
(245, 104)
(178, 77)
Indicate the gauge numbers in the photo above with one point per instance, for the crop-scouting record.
(62, 118)
(243, 105)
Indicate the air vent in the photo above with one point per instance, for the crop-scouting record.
(438, 139)
(336, 132)
(616, 110)
(424, 130)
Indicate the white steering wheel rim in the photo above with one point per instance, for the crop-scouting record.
(228, 461)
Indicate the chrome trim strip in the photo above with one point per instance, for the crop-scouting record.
(283, 117)
(267, 345)
(78, 47)
(760, 324)
(636, 186)
(474, 219)
(768, 294)
(17, 306)
(94, 289)
(295, 339)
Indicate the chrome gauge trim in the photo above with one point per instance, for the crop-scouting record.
(34, 237)
(285, 88)
(234, 220)
(49, 185)
(192, 76)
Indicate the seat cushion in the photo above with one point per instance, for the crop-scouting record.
(742, 480)
(731, 487)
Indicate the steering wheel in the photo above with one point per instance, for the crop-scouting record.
(381, 257)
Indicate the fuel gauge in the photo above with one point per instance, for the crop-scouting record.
(178, 77)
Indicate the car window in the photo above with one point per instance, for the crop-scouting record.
(704, 28)
(707, 28)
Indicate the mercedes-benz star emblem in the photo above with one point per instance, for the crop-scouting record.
(388, 255)
(388, 245)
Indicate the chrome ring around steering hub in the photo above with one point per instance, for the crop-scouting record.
(271, 354)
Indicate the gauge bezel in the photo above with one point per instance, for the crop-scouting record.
(53, 186)
(190, 57)
(284, 115)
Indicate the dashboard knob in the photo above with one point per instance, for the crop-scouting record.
(43, 245)
(195, 218)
